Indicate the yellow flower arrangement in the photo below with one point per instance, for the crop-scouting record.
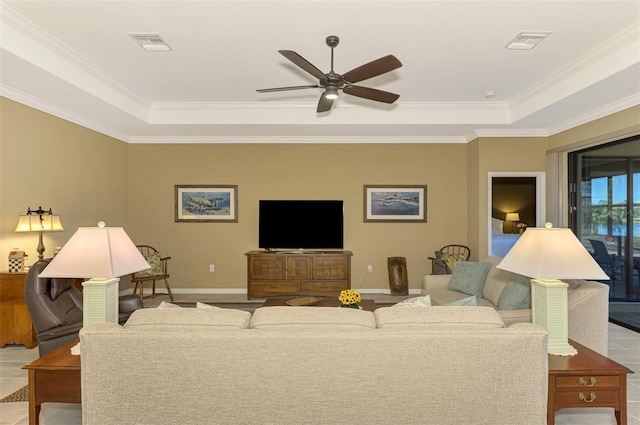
(349, 296)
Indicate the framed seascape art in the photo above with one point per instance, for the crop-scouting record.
(401, 204)
(206, 203)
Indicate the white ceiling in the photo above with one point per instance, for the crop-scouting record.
(75, 59)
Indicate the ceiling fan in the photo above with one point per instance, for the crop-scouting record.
(332, 81)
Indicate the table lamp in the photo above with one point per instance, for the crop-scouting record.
(512, 218)
(547, 255)
(102, 254)
(39, 221)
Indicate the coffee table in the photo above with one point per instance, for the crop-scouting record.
(54, 377)
(587, 379)
(368, 305)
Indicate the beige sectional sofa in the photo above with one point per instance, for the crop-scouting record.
(588, 303)
(314, 365)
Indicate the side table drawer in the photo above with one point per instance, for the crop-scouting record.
(588, 382)
(588, 398)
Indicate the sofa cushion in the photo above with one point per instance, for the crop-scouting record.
(468, 301)
(191, 318)
(496, 280)
(516, 295)
(286, 317)
(469, 277)
(165, 304)
(438, 317)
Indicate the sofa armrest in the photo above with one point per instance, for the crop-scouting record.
(432, 281)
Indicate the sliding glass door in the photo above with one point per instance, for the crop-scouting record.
(605, 212)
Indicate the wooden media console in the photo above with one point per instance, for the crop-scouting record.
(319, 273)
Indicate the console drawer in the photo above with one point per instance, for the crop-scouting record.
(588, 398)
(588, 382)
(323, 286)
(274, 287)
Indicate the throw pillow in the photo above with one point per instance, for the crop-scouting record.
(203, 305)
(415, 302)
(156, 266)
(451, 260)
(466, 301)
(468, 277)
(168, 305)
(516, 295)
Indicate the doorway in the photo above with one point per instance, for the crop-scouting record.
(604, 213)
(516, 201)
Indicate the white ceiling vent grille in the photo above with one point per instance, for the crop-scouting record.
(151, 42)
(527, 40)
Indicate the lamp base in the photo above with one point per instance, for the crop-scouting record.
(549, 309)
(100, 301)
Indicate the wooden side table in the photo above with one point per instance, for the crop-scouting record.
(54, 377)
(15, 321)
(587, 379)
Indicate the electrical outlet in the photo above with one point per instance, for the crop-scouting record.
(369, 268)
(212, 268)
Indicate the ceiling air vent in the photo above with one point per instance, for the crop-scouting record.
(527, 40)
(151, 42)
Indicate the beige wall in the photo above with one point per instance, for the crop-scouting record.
(500, 154)
(612, 127)
(49, 162)
(295, 171)
(85, 177)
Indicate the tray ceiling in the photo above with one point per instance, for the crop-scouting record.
(77, 60)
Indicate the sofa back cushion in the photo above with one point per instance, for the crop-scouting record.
(496, 280)
(165, 319)
(443, 317)
(286, 317)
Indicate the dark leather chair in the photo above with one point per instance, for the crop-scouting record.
(55, 306)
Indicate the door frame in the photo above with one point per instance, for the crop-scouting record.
(540, 196)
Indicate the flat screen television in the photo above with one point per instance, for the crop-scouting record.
(300, 224)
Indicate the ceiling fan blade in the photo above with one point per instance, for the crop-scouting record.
(371, 94)
(303, 63)
(324, 104)
(287, 88)
(372, 69)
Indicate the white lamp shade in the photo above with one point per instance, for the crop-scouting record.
(512, 217)
(548, 253)
(101, 252)
(32, 223)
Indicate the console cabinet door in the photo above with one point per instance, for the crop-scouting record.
(298, 267)
(267, 267)
(331, 268)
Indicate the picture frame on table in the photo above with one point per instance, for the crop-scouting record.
(395, 203)
(200, 203)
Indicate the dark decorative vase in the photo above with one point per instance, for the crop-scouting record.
(398, 278)
(354, 305)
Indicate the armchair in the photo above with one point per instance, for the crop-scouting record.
(55, 306)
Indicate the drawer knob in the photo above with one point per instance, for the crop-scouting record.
(591, 382)
(592, 397)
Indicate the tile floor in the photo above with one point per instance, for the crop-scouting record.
(624, 347)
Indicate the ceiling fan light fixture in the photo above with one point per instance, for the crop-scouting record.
(331, 93)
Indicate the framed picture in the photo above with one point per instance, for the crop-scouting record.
(401, 203)
(206, 203)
